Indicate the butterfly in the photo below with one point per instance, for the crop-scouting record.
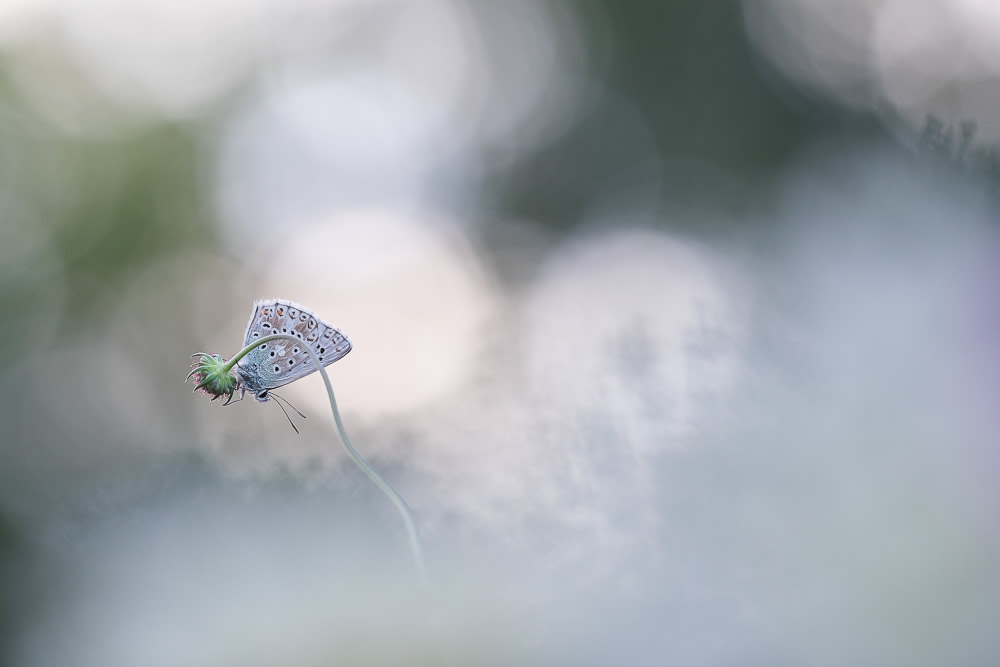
(278, 362)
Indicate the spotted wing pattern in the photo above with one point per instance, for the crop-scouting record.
(279, 362)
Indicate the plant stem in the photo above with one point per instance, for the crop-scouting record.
(404, 509)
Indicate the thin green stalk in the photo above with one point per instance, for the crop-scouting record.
(404, 509)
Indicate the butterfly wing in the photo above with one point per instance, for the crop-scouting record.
(279, 362)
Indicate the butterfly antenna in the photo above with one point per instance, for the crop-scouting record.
(289, 404)
(286, 416)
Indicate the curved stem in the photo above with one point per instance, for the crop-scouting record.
(361, 461)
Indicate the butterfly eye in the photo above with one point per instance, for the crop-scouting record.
(312, 323)
(256, 333)
(263, 346)
(303, 317)
(284, 330)
(281, 311)
(266, 325)
(272, 353)
(291, 362)
(322, 350)
(277, 368)
(295, 350)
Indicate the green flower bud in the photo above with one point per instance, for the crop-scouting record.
(212, 376)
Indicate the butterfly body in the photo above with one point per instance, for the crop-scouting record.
(276, 363)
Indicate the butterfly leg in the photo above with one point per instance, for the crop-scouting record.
(230, 400)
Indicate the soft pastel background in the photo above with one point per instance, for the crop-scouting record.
(677, 324)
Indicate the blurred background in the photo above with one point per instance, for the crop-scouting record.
(676, 323)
